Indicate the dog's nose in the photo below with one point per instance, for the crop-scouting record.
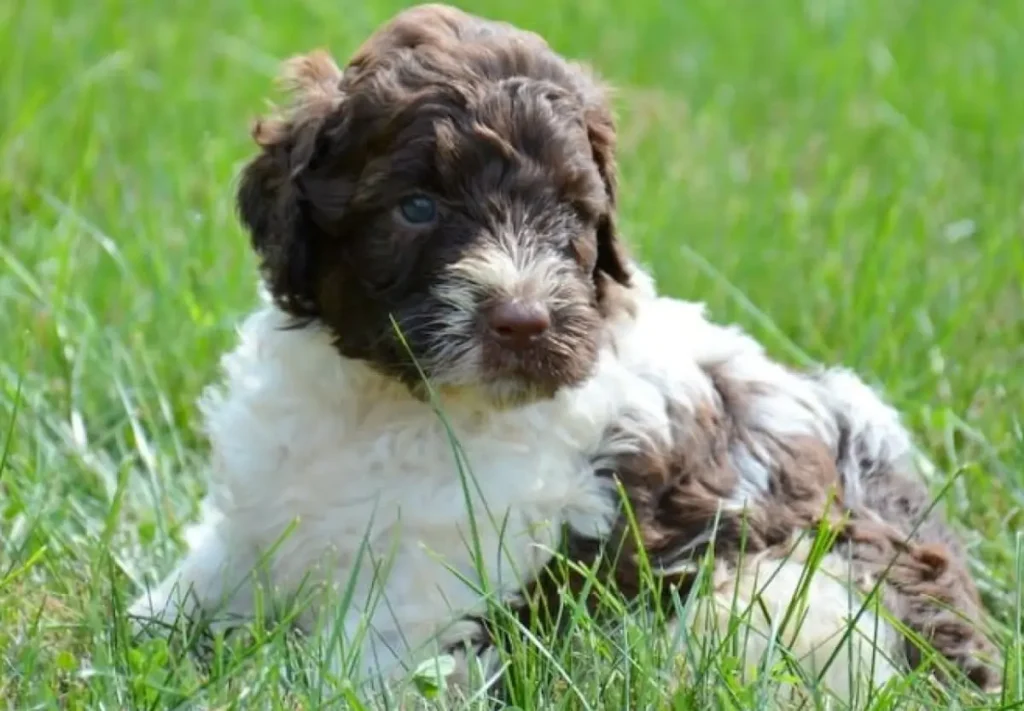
(517, 323)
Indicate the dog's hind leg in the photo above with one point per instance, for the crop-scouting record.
(899, 532)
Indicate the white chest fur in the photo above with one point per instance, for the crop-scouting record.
(341, 473)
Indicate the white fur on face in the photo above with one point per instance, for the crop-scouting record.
(512, 266)
(357, 471)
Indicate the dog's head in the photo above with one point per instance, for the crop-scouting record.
(445, 204)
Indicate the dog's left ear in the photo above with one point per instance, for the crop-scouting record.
(612, 258)
(269, 198)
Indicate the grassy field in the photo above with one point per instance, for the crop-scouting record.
(845, 179)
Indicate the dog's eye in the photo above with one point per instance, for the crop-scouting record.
(418, 210)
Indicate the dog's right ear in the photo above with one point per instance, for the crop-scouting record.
(269, 198)
(613, 261)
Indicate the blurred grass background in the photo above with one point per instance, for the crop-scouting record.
(843, 178)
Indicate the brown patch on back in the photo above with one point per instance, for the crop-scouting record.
(676, 494)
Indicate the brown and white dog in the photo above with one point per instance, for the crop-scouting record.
(442, 211)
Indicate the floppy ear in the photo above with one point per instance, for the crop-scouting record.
(269, 198)
(612, 258)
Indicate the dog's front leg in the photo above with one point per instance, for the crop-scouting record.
(383, 644)
(214, 581)
(357, 649)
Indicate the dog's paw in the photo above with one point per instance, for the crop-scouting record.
(161, 611)
(967, 648)
(947, 608)
(146, 618)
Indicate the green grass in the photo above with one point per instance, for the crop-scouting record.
(845, 179)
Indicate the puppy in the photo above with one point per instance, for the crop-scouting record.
(458, 369)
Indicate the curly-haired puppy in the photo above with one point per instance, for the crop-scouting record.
(442, 212)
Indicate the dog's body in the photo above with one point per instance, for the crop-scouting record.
(456, 185)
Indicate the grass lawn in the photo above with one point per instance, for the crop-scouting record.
(845, 179)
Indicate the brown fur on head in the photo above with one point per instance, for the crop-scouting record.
(458, 176)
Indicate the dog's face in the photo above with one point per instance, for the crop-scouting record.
(444, 205)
